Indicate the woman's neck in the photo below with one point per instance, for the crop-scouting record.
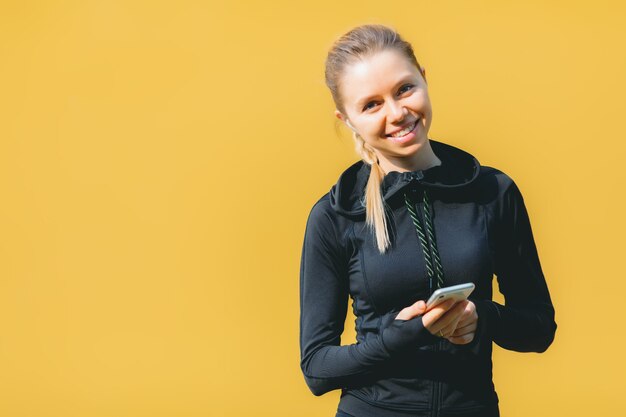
(422, 160)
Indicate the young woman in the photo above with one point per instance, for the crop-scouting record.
(412, 216)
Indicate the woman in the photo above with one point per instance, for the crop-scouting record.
(412, 216)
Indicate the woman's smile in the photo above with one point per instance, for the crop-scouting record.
(406, 134)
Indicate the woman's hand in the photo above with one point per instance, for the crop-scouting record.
(465, 328)
(456, 321)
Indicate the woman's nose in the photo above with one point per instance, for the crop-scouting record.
(397, 112)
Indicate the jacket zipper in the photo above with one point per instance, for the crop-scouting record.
(436, 389)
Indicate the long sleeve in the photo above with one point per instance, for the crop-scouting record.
(324, 293)
(526, 322)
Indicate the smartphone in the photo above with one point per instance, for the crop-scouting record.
(455, 292)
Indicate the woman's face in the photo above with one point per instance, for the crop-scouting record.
(385, 94)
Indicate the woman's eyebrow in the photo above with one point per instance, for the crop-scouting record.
(363, 100)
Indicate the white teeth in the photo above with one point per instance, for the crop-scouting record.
(404, 132)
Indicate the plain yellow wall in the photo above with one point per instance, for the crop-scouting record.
(158, 161)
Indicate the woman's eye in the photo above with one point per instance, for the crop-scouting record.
(367, 106)
(404, 88)
(406, 85)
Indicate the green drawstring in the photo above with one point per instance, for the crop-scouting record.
(438, 268)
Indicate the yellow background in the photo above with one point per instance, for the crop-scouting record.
(159, 160)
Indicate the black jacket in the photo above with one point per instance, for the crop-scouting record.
(397, 368)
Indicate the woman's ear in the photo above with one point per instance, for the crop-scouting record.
(344, 119)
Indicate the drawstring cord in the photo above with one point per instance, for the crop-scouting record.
(433, 266)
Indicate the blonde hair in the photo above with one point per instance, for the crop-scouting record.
(355, 45)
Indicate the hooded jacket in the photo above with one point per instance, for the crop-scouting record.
(478, 227)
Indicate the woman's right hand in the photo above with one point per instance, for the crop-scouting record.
(436, 319)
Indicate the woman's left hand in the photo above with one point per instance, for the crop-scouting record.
(466, 326)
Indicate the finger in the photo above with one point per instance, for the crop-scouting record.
(441, 309)
(464, 322)
(411, 311)
(457, 310)
(445, 305)
(419, 307)
(461, 331)
(468, 318)
(434, 314)
(471, 325)
(448, 320)
(447, 330)
(450, 329)
(462, 340)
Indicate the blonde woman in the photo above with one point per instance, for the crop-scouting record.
(411, 216)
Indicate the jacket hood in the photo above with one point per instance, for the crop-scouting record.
(458, 169)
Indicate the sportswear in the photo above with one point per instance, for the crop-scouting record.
(453, 223)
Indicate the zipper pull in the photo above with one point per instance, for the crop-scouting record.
(414, 175)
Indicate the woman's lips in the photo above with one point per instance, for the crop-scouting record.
(408, 136)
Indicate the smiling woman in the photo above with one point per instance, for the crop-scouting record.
(436, 218)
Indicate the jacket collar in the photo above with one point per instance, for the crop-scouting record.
(458, 169)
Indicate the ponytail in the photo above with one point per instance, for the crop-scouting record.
(375, 216)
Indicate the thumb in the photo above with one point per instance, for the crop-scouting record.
(411, 311)
(420, 307)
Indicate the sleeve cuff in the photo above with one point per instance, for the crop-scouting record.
(488, 317)
(405, 334)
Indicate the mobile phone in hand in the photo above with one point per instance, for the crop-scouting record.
(455, 292)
